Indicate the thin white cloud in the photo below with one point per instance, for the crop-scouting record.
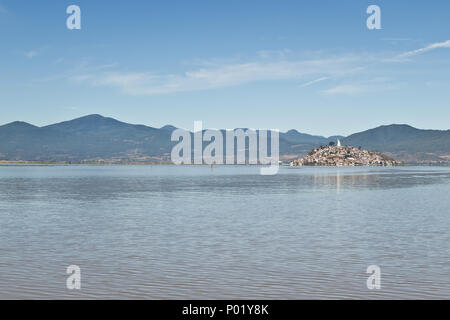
(346, 89)
(31, 54)
(364, 86)
(219, 76)
(269, 66)
(397, 39)
(307, 84)
(266, 54)
(445, 44)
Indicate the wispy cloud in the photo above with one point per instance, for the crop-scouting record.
(266, 54)
(397, 39)
(445, 44)
(355, 72)
(364, 86)
(222, 75)
(79, 72)
(31, 54)
(307, 84)
(347, 89)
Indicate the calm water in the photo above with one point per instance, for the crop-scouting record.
(157, 232)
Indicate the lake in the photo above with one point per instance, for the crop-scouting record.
(190, 232)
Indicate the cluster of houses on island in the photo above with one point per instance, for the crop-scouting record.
(338, 155)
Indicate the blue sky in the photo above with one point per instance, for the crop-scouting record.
(309, 65)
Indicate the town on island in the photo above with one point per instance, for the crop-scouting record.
(338, 155)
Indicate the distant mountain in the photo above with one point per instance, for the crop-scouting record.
(404, 142)
(297, 137)
(168, 128)
(88, 138)
(98, 138)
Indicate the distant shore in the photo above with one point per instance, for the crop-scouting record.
(3, 162)
(75, 163)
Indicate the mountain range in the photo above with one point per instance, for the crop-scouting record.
(96, 138)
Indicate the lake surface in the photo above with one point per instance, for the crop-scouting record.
(186, 232)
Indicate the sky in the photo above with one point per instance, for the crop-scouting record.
(309, 65)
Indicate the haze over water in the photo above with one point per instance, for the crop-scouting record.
(186, 232)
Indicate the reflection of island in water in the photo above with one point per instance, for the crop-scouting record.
(383, 179)
(338, 156)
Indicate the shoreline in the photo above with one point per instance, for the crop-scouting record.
(166, 163)
(66, 163)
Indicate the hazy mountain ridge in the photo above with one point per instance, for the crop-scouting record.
(98, 138)
(404, 142)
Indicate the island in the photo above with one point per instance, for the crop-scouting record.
(338, 155)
